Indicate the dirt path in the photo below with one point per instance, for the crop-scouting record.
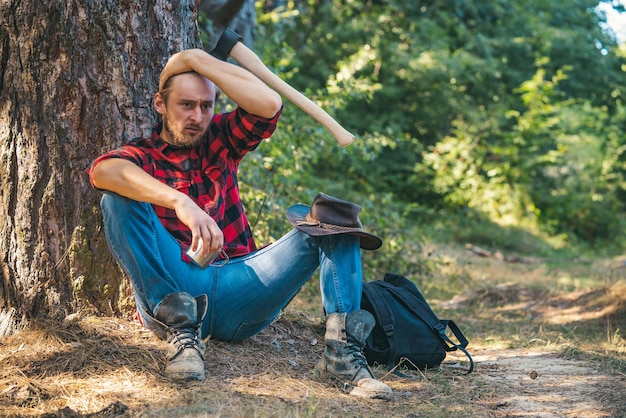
(543, 384)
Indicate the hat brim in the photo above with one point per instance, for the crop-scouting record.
(297, 213)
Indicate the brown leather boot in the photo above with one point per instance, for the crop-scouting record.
(181, 315)
(343, 359)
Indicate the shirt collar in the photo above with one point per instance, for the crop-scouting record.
(166, 148)
(158, 142)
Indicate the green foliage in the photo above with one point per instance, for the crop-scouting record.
(555, 166)
(479, 115)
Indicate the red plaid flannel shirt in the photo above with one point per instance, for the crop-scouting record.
(206, 173)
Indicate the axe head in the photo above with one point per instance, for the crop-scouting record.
(225, 44)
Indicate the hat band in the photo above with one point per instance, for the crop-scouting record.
(319, 224)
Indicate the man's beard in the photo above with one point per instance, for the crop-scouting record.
(179, 139)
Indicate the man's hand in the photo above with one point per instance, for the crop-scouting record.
(184, 62)
(177, 64)
(203, 227)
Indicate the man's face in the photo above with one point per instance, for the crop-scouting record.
(189, 109)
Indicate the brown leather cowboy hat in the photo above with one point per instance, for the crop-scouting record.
(330, 216)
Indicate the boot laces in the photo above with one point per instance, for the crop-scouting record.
(355, 348)
(184, 336)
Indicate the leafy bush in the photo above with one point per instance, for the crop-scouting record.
(479, 116)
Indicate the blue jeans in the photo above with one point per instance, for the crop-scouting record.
(247, 293)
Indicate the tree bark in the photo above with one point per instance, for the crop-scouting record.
(76, 79)
(239, 15)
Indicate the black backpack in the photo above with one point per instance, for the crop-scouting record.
(406, 327)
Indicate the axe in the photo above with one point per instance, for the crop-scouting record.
(230, 44)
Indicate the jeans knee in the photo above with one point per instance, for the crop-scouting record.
(112, 202)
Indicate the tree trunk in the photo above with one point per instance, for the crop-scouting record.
(239, 15)
(76, 79)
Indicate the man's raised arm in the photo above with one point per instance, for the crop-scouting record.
(241, 86)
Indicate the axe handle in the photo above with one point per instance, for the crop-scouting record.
(250, 61)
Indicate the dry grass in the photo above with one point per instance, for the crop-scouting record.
(108, 366)
(103, 367)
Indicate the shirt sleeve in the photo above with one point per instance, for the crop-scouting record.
(241, 131)
(126, 152)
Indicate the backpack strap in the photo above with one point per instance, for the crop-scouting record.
(457, 333)
(421, 308)
(462, 342)
(384, 317)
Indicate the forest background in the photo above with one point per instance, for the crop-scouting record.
(497, 123)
